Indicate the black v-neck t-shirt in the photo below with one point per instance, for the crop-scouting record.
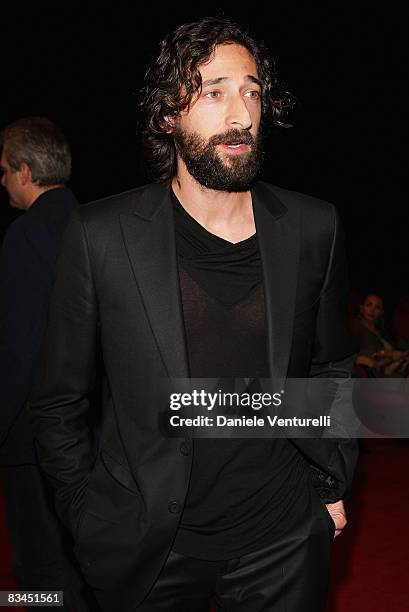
(243, 492)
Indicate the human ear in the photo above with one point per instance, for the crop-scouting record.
(169, 122)
(25, 173)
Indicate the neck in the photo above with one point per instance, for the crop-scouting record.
(228, 215)
(37, 191)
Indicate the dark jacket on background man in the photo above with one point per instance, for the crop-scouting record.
(27, 260)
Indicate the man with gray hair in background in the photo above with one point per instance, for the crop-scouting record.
(35, 165)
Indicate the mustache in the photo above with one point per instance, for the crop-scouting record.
(232, 137)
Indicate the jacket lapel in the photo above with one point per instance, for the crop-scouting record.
(149, 237)
(278, 234)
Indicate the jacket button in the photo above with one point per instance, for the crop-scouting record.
(184, 449)
(174, 507)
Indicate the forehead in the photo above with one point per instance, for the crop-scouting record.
(374, 299)
(229, 61)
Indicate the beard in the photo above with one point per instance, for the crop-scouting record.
(235, 173)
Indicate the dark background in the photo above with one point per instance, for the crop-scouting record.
(346, 65)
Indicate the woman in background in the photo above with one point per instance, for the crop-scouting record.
(376, 350)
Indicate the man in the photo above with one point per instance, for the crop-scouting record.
(35, 164)
(206, 274)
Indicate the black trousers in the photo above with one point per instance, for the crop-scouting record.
(290, 575)
(41, 548)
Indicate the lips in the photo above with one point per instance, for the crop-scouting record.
(239, 146)
(236, 143)
(231, 138)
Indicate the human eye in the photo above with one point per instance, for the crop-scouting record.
(253, 94)
(212, 94)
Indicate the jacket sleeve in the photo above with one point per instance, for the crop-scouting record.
(333, 340)
(25, 285)
(59, 402)
(333, 358)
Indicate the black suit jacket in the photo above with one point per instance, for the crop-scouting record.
(27, 260)
(117, 285)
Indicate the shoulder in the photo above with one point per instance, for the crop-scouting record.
(300, 202)
(318, 218)
(99, 222)
(40, 227)
(126, 202)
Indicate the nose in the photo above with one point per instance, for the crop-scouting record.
(237, 115)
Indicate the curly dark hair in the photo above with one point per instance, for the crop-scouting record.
(176, 70)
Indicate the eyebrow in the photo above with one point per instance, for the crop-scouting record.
(218, 80)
